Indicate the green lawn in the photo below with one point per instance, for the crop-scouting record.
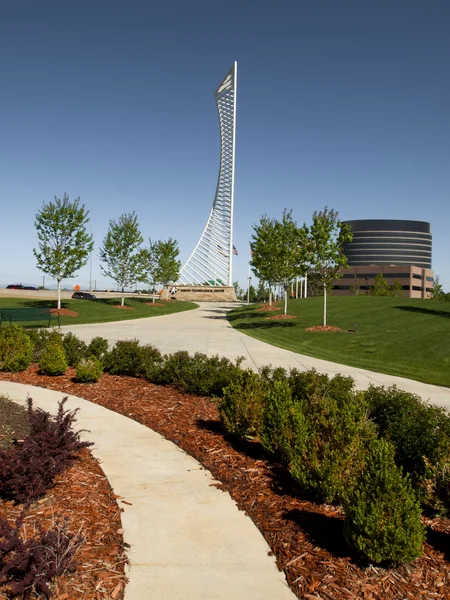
(399, 336)
(100, 310)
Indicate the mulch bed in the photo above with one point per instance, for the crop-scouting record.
(280, 317)
(124, 307)
(306, 538)
(83, 496)
(269, 308)
(155, 303)
(324, 328)
(64, 312)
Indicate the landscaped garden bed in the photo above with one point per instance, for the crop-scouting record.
(305, 536)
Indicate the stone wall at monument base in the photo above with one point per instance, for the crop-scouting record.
(205, 293)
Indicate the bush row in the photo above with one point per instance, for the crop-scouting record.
(381, 453)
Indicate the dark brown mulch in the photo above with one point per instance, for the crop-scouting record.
(305, 537)
(83, 496)
(324, 328)
(280, 317)
(268, 308)
(14, 422)
(124, 307)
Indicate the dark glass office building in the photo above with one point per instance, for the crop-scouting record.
(399, 250)
(388, 242)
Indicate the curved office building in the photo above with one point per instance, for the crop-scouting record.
(389, 243)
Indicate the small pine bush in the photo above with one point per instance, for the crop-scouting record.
(53, 360)
(284, 428)
(339, 431)
(382, 514)
(74, 348)
(89, 370)
(40, 338)
(241, 407)
(126, 358)
(98, 347)
(310, 383)
(16, 349)
(420, 433)
(198, 374)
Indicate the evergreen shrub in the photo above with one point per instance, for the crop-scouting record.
(338, 432)
(241, 407)
(40, 338)
(98, 347)
(16, 349)
(420, 433)
(284, 427)
(53, 359)
(125, 358)
(89, 370)
(382, 513)
(74, 348)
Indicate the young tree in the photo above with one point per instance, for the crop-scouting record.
(124, 259)
(381, 287)
(437, 291)
(64, 244)
(396, 289)
(167, 268)
(327, 237)
(151, 265)
(280, 252)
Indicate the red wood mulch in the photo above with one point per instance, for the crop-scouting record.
(268, 308)
(124, 307)
(83, 495)
(64, 312)
(324, 328)
(280, 318)
(305, 537)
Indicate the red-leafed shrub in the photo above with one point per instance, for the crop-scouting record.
(27, 471)
(27, 566)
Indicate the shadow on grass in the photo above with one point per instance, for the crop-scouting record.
(44, 304)
(265, 325)
(324, 531)
(426, 311)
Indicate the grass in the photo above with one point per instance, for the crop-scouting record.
(399, 336)
(102, 310)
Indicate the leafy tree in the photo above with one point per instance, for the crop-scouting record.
(240, 293)
(151, 265)
(437, 291)
(280, 252)
(124, 259)
(64, 244)
(167, 267)
(396, 289)
(327, 236)
(381, 287)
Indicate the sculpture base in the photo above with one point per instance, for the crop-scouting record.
(206, 293)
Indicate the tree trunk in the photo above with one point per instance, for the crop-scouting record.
(286, 288)
(167, 292)
(123, 297)
(324, 304)
(270, 295)
(59, 293)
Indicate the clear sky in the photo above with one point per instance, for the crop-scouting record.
(340, 103)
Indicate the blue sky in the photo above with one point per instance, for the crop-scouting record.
(344, 104)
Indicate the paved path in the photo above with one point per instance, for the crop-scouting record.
(207, 330)
(188, 539)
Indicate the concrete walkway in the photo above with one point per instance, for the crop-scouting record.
(207, 330)
(188, 539)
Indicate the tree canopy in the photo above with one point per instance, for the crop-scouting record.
(64, 243)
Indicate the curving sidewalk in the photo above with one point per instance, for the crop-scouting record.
(207, 330)
(188, 539)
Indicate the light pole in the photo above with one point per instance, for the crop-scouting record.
(90, 265)
(248, 290)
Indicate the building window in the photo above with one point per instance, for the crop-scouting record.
(417, 276)
(417, 288)
(430, 279)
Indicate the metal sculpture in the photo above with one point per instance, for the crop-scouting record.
(211, 260)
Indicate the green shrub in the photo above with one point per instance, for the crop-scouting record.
(382, 512)
(241, 407)
(53, 360)
(421, 435)
(198, 374)
(284, 428)
(310, 383)
(40, 338)
(74, 348)
(89, 370)
(129, 358)
(98, 347)
(339, 430)
(16, 349)
(271, 374)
